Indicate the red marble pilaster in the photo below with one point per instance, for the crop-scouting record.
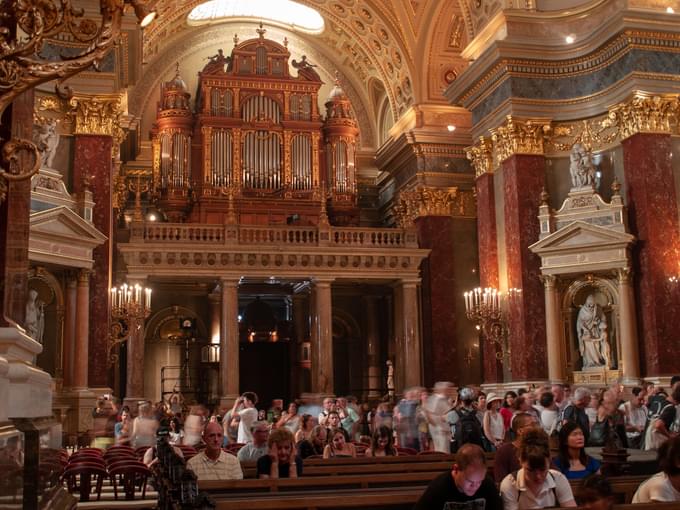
(92, 159)
(488, 266)
(524, 178)
(653, 213)
(442, 354)
(15, 213)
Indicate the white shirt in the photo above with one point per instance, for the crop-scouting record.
(248, 417)
(548, 419)
(517, 496)
(656, 488)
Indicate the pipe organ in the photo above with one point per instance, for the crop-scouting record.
(256, 138)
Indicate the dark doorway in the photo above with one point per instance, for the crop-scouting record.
(265, 369)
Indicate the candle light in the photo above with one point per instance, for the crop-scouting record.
(113, 297)
(138, 294)
(147, 304)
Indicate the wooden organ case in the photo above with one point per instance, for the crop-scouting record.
(256, 151)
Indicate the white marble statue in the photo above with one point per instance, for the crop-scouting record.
(47, 140)
(593, 336)
(582, 168)
(34, 321)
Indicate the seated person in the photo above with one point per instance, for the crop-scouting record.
(213, 463)
(596, 494)
(467, 481)
(382, 443)
(256, 448)
(338, 446)
(281, 462)
(535, 485)
(572, 460)
(150, 458)
(507, 458)
(315, 444)
(663, 486)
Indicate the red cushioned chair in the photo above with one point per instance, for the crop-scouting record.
(131, 477)
(82, 478)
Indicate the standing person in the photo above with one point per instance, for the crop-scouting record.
(193, 425)
(407, 422)
(290, 418)
(123, 428)
(494, 429)
(282, 461)
(436, 409)
(549, 412)
(535, 485)
(576, 411)
(561, 400)
(573, 461)
(659, 428)
(635, 417)
(144, 427)
(245, 408)
(348, 416)
(329, 406)
(175, 433)
(507, 408)
(467, 481)
(665, 485)
(467, 427)
(213, 463)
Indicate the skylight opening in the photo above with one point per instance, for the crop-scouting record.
(285, 13)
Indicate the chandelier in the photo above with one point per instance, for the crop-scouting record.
(25, 26)
(485, 308)
(130, 307)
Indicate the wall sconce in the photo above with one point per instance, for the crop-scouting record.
(484, 307)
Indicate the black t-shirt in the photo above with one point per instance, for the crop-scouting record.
(443, 490)
(264, 467)
(667, 415)
(579, 416)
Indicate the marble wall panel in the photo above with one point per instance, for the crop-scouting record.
(653, 205)
(524, 178)
(92, 159)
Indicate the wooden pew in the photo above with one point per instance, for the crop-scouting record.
(623, 487)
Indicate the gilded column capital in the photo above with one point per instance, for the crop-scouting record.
(644, 114)
(624, 275)
(481, 156)
(518, 137)
(427, 201)
(97, 115)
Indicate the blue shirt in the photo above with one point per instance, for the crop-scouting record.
(592, 467)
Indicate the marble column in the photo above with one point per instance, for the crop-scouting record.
(70, 322)
(215, 300)
(229, 343)
(82, 331)
(524, 178)
(373, 368)
(553, 330)
(322, 339)
(302, 375)
(410, 357)
(488, 266)
(630, 359)
(92, 168)
(443, 348)
(653, 213)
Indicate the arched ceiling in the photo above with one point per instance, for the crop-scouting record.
(406, 50)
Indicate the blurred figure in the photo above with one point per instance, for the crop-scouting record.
(436, 409)
(193, 425)
(256, 448)
(596, 494)
(315, 444)
(144, 427)
(507, 456)
(382, 443)
(407, 420)
(665, 485)
(290, 418)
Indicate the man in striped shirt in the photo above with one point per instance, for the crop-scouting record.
(213, 463)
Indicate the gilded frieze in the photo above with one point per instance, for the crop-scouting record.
(426, 201)
(644, 114)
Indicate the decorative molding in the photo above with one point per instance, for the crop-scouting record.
(426, 201)
(481, 156)
(518, 137)
(644, 114)
(97, 115)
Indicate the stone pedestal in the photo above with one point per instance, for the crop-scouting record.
(92, 166)
(524, 178)
(28, 389)
(79, 405)
(653, 208)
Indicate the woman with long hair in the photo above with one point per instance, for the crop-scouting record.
(506, 409)
(305, 430)
(338, 446)
(382, 443)
(315, 444)
(572, 461)
(535, 485)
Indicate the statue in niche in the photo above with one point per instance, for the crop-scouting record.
(581, 167)
(34, 321)
(593, 336)
(46, 139)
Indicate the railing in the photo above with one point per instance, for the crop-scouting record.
(283, 235)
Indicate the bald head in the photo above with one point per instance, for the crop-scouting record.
(213, 437)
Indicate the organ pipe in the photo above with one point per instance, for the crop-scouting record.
(261, 160)
(302, 162)
(221, 158)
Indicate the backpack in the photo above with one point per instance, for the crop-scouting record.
(652, 438)
(468, 428)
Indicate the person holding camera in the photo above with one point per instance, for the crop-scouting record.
(245, 408)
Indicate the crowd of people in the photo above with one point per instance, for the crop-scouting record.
(539, 437)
